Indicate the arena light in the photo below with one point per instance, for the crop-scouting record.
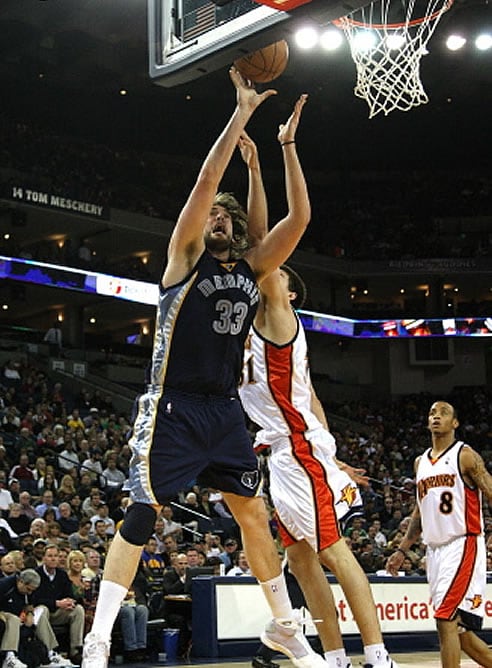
(364, 40)
(395, 41)
(455, 42)
(484, 42)
(306, 38)
(330, 40)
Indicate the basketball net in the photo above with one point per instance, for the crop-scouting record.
(388, 68)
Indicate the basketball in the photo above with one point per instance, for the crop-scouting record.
(265, 64)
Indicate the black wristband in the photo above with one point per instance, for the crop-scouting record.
(398, 549)
(287, 142)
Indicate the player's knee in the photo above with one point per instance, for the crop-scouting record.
(138, 524)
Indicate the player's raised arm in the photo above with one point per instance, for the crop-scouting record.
(186, 243)
(257, 201)
(280, 242)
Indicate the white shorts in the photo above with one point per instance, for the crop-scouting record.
(457, 578)
(310, 493)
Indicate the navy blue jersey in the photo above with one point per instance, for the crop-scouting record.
(202, 324)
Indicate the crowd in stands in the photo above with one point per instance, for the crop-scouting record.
(63, 465)
(378, 215)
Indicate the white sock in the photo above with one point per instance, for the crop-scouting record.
(375, 654)
(336, 658)
(275, 591)
(9, 654)
(108, 605)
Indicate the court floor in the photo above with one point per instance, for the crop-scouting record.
(413, 660)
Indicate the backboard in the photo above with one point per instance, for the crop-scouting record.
(190, 38)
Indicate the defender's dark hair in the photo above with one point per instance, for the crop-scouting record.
(297, 285)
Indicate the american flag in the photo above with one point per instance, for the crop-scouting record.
(199, 20)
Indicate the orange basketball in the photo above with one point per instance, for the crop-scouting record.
(265, 64)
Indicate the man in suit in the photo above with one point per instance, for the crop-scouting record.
(55, 592)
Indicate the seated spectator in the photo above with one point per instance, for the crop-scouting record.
(48, 483)
(153, 564)
(133, 617)
(38, 528)
(53, 533)
(27, 509)
(55, 592)
(80, 585)
(23, 473)
(177, 613)
(82, 535)
(241, 566)
(99, 538)
(230, 546)
(114, 477)
(66, 489)
(16, 592)
(6, 499)
(46, 503)
(37, 554)
(68, 523)
(14, 489)
(68, 458)
(74, 421)
(102, 515)
(169, 526)
(7, 565)
(18, 522)
(93, 466)
(90, 505)
(18, 557)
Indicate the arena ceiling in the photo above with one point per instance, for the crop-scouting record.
(63, 64)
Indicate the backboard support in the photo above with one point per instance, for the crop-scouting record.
(191, 38)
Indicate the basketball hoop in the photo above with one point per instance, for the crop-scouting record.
(387, 51)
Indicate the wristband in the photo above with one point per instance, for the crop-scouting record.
(398, 549)
(287, 142)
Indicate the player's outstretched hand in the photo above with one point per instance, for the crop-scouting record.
(247, 96)
(394, 562)
(287, 131)
(248, 149)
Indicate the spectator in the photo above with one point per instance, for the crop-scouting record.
(27, 509)
(241, 566)
(68, 523)
(7, 565)
(16, 592)
(74, 421)
(68, 458)
(169, 526)
(82, 535)
(133, 618)
(230, 546)
(113, 477)
(55, 592)
(102, 515)
(46, 503)
(66, 489)
(6, 499)
(53, 338)
(18, 522)
(23, 472)
(90, 505)
(14, 489)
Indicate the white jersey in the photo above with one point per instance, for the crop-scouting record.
(448, 507)
(275, 387)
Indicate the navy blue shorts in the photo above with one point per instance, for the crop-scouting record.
(179, 438)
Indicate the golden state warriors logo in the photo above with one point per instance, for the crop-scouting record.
(347, 495)
(475, 601)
